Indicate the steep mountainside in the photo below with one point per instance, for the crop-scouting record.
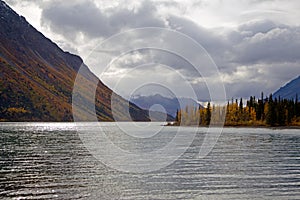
(290, 90)
(37, 77)
(171, 105)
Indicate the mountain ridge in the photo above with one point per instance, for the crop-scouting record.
(171, 105)
(290, 90)
(37, 78)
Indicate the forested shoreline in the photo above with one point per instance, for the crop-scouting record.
(264, 111)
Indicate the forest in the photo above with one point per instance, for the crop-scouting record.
(264, 111)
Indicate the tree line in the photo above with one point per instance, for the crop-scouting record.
(263, 111)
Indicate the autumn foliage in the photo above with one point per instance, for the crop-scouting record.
(266, 111)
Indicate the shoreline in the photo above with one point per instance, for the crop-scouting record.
(170, 124)
(241, 126)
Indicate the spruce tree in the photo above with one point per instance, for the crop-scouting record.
(208, 114)
(241, 105)
(271, 113)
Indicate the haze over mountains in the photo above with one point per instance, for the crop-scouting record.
(171, 105)
(37, 78)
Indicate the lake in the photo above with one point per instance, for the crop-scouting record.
(53, 161)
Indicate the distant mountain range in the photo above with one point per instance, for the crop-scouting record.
(290, 90)
(171, 105)
(37, 78)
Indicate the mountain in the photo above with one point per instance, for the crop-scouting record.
(37, 78)
(171, 105)
(290, 90)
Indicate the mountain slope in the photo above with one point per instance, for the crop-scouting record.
(290, 90)
(37, 77)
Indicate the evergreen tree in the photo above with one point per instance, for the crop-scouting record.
(208, 114)
(297, 107)
(241, 106)
(271, 112)
(257, 112)
(262, 106)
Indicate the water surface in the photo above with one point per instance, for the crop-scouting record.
(49, 161)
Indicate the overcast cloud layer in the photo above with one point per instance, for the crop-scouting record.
(255, 44)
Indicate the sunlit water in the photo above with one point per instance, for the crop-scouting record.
(49, 161)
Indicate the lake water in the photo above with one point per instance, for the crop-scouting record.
(51, 161)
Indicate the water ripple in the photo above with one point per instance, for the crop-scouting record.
(49, 161)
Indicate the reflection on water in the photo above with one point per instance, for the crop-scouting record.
(49, 161)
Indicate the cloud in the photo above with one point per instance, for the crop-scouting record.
(211, 40)
(85, 17)
(251, 28)
(255, 44)
(279, 44)
(253, 79)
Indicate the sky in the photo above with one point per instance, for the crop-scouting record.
(254, 44)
